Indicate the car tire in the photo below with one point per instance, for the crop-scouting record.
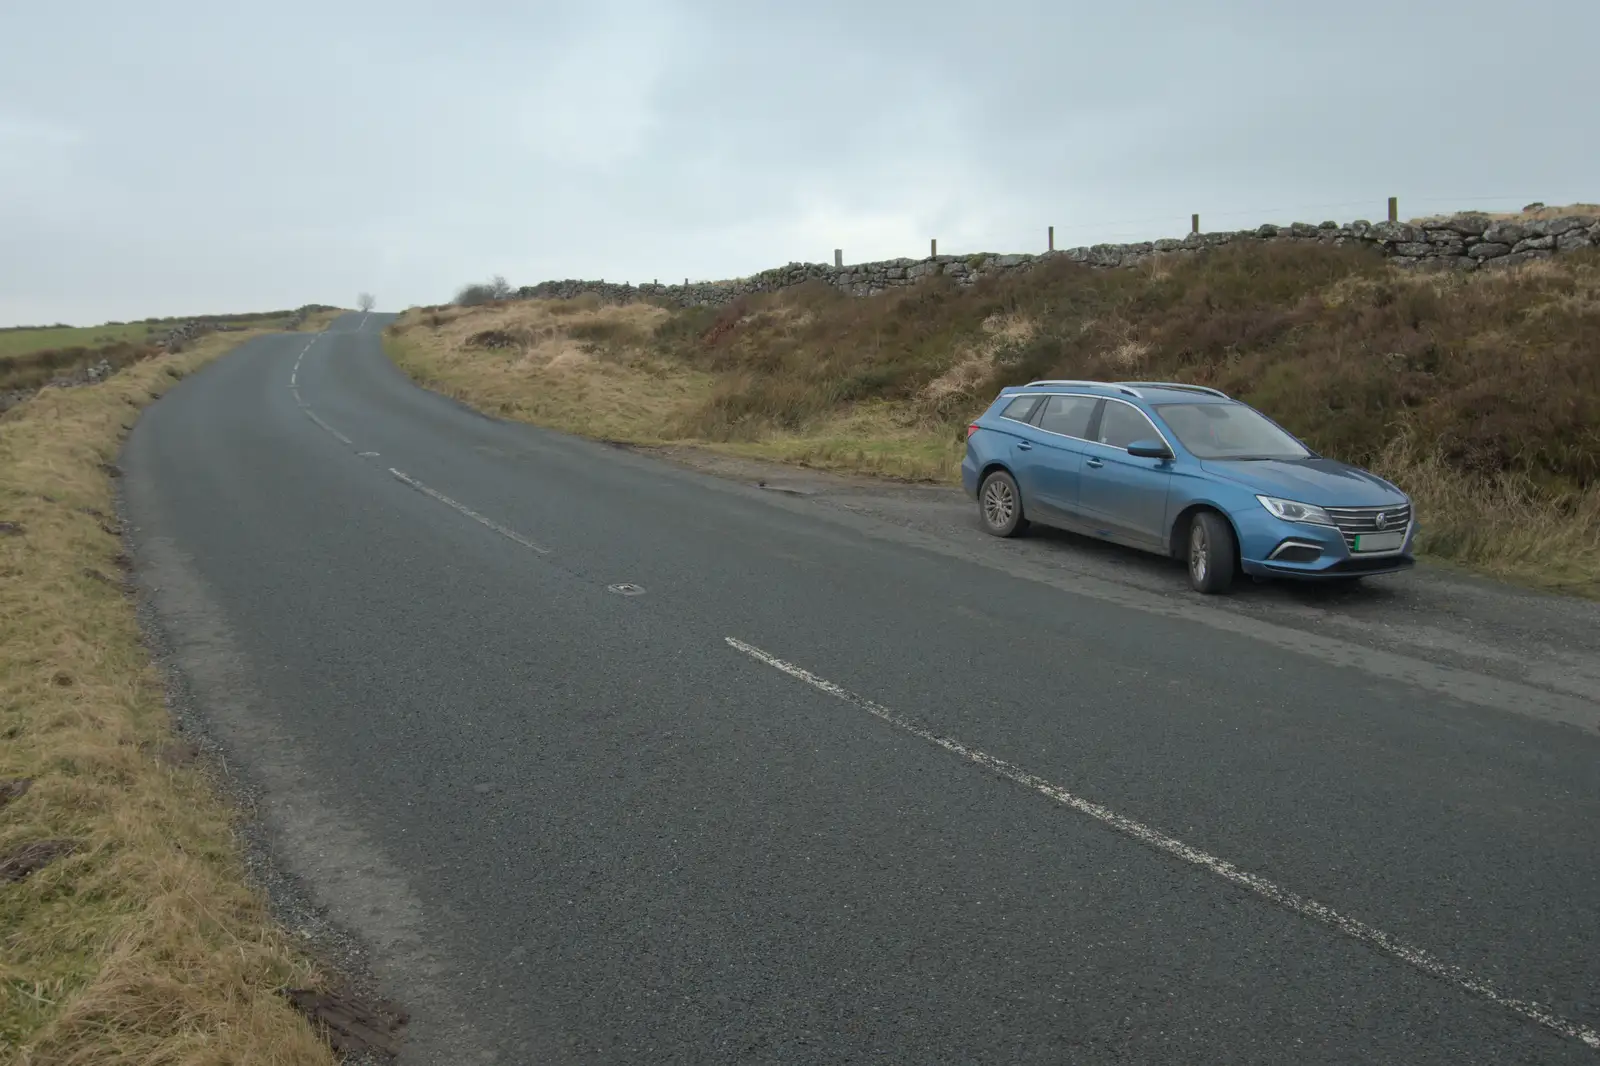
(1210, 553)
(1000, 505)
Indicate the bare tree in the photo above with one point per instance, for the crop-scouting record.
(496, 288)
(474, 295)
(366, 302)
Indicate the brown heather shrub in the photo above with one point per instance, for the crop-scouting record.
(1499, 372)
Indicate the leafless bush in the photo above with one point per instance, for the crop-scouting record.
(495, 289)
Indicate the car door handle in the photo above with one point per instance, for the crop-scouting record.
(1024, 446)
(1094, 464)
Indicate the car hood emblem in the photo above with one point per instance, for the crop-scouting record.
(1380, 520)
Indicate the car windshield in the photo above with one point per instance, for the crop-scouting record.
(1229, 431)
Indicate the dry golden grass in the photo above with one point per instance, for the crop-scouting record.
(1498, 525)
(973, 363)
(603, 387)
(613, 388)
(145, 945)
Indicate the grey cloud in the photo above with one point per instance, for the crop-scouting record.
(159, 159)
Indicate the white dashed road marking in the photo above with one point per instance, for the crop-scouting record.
(294, 374)
(1268, 890)
(509, 534)
(296, 368)
(339, 436)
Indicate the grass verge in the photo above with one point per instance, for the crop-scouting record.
(1501, 524)
(143, 943)
(1479, 394)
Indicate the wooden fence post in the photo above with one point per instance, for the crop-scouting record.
(838, 258)
(933, 248)
(1394, 209)
(1194, 223)
(1052, 238)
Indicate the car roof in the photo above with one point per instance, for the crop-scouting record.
(1182, 396)
(1148, 391)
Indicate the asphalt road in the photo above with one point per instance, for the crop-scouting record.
(936, 800)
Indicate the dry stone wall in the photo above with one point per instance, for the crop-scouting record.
(1461, 242)
(178, 337)
(92, 374)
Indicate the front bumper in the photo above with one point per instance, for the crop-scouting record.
(1271, 547)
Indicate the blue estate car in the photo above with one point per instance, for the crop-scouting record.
(1183, 471)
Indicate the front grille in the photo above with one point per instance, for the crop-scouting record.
(1356, 520)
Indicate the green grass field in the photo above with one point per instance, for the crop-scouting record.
(32, 356)
(26, 341)
(15, 342)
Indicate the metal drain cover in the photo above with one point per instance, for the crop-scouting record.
(787, 490)
(626, 588)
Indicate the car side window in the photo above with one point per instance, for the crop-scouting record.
(1122, 424)
(1068, 415)
(1020, 409)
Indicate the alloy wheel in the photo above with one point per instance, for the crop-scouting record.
(999, 504)
(1199, 552)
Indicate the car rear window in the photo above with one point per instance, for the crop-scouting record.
(1021, 409)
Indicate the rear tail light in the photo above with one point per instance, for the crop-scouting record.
(972, 429)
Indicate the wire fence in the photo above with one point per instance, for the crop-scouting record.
(1397, 209)
(1159, 226)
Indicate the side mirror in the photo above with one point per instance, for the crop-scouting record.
(1149, 449)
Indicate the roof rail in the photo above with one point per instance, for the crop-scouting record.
(1120, 386)
(1179, 385)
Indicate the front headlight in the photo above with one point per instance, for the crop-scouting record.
(1292, 511)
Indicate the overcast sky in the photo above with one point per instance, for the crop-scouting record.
(180, 156)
